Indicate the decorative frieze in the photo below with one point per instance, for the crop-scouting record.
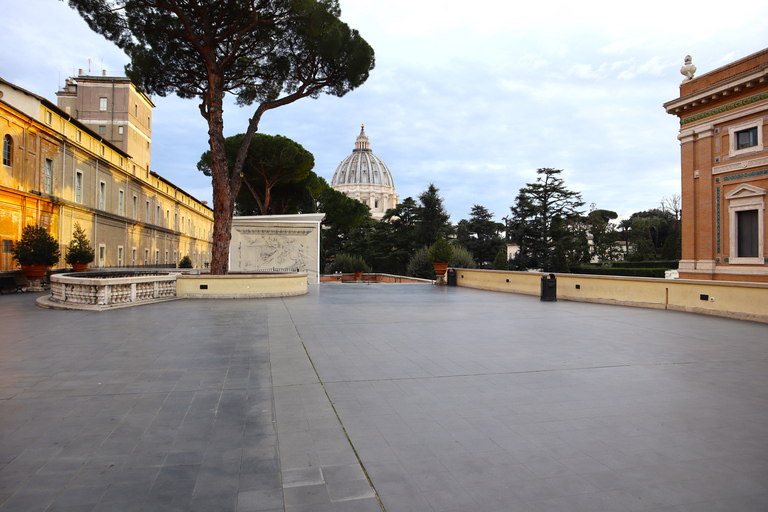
(725, 108)
(751, 174)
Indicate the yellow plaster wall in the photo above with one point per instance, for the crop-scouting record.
(241, 286)
(732, 299)
(73, 149)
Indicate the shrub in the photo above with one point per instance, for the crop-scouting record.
(36, 246)
(462, 258)
(440, 252)
(185, 262)
(79, 249)
(420, 266)
(347, 264)
(620, 271)
(668, 264)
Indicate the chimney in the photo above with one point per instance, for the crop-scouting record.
(103, 72)
(80, 72)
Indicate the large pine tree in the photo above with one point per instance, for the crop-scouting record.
(537, 221)
(268, 52)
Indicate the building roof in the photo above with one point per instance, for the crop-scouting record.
(362, 166)
(732, 80)
(55, 108)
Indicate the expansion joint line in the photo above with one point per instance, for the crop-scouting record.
(343, 428)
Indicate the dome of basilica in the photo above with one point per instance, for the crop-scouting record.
(365, 177)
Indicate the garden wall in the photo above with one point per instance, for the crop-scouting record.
(730, 299)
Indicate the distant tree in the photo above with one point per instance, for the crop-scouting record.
(433, 220)
(604, 234)
(654, 234)
(269, 52)
(394, 238)
(275, 172)
(673, 205)
(500, 262)
(344, 217)
(481, 235)
(537, 218)
(559, 261)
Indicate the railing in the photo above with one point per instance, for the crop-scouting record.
(107, 289)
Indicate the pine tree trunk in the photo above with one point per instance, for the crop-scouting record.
(223, 197)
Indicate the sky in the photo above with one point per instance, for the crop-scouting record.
(473, 97)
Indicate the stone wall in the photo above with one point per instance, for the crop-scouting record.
(283, 243)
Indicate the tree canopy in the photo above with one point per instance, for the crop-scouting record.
(269, 52)
(434, 220)
(538, 218)
(276, 174)
(480, 235)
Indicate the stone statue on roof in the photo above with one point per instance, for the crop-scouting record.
(688, 69)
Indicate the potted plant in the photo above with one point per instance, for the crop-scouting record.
(79, 251)
(440, 254)
(36, 251)
(358, 267)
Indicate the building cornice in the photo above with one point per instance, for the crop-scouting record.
(737, 85)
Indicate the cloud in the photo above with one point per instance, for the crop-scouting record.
(621, 47)
(474, 98)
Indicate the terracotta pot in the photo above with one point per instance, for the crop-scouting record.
(440, 268)
(34, 270)
(79, 267)
(358, 275)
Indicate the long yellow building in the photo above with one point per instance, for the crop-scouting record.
(87, 161)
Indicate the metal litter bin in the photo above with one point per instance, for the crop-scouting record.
(451, 277)
(549, 288)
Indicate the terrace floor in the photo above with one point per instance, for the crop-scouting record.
(395, 397)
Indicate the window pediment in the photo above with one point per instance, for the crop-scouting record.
(745, 190)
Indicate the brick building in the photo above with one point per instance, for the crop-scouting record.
(724, 169)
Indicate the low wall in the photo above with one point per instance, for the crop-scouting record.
(241, 286)
(747, 301)
(100, 291)
(376, 278)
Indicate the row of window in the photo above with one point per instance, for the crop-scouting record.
(101, 260)
(135, 205)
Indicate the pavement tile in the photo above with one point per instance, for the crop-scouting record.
(224, 405)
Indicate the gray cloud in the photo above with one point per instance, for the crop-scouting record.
(472, 98)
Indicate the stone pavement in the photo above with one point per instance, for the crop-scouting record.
(381, 397)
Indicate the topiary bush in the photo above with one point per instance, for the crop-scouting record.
(185, 262)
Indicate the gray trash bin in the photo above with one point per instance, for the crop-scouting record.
(549, 288)
(451, 277)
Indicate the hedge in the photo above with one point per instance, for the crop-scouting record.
(631, 272)
(669, 265)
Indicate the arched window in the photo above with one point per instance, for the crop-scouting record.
(7, 150)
